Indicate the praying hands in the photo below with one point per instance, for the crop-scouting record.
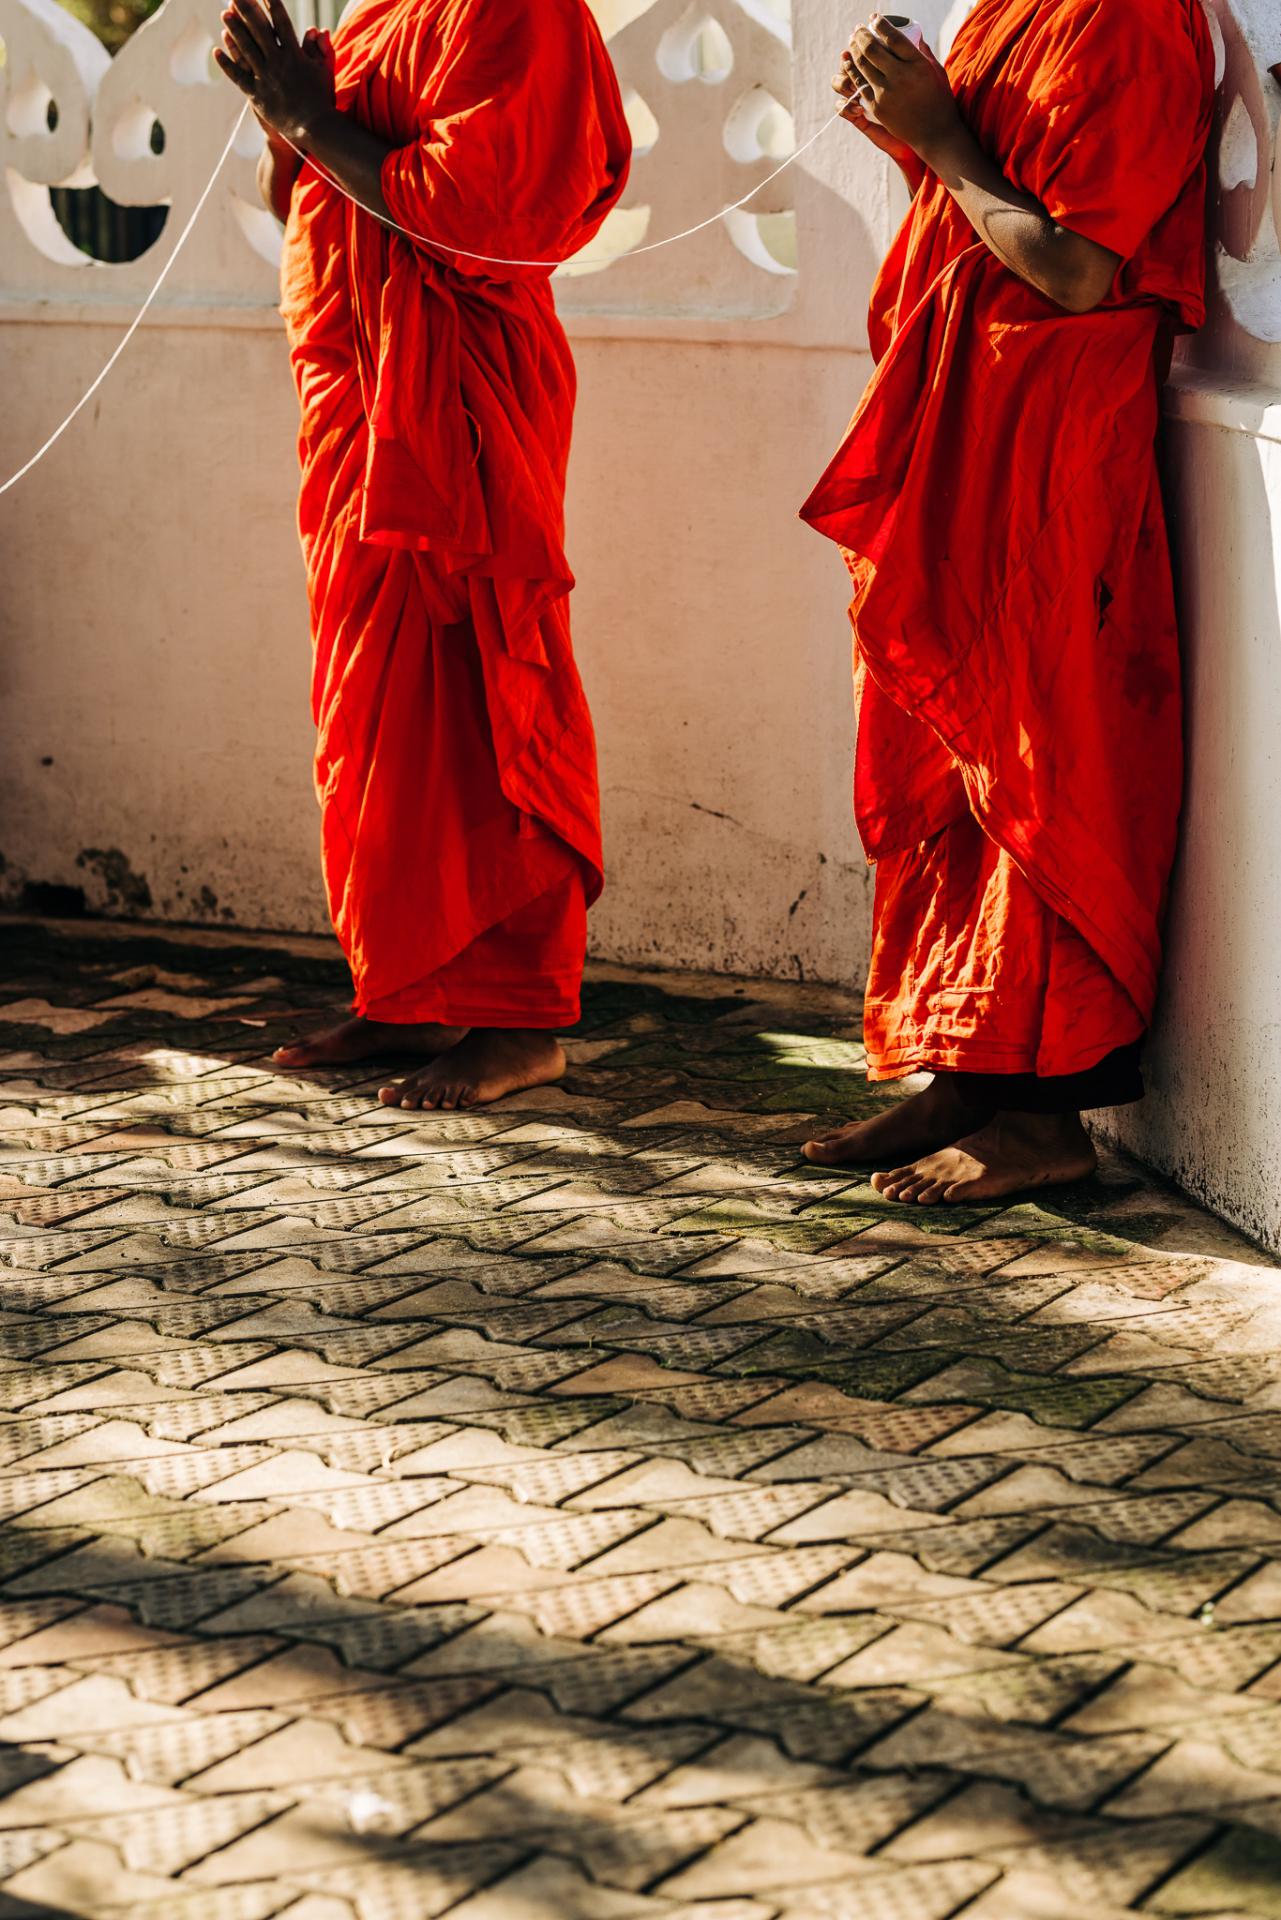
(289, 81)
(291, 85)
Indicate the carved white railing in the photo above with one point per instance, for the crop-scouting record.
(708, 85)
(1244, 334)
(675, 60)
(103, 112)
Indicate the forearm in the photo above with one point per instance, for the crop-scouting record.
(1071, 271)
(350, 154)
(278, 170)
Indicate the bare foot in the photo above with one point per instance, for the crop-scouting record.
(488, 1063)
(930, 1119)
(361, 1039)
(1013, 1153)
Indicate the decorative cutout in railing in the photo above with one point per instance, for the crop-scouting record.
(1246, 169)
(708, 90)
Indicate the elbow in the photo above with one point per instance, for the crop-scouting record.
(1076, 300)
(1071, 286)
(1078, 296)
(1080, 273)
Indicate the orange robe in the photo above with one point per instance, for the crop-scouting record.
(1018, 765)
(455, 763)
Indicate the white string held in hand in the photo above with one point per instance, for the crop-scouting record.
(418, 239)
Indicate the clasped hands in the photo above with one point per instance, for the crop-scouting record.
(287, 80)
(904, 86)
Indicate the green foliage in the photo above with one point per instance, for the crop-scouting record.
(112, 20)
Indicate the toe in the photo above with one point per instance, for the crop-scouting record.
(931, 1193)
(469, 1097)
(960, 1193)
(889, 1183)
(840, 1149)
(390, 1096)
(906, 1184)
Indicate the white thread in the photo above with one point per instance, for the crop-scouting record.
(488, 259)
(601, 260)
(138, 318)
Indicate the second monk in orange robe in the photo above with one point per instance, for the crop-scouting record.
(455, 761)
(1018, 764)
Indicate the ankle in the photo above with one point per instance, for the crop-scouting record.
(948, 1092)
(1042, 1129)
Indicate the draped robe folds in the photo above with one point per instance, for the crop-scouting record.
(1018, 760)
(455, 759)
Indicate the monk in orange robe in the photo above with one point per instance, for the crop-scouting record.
(456, 764)
(1018, 764)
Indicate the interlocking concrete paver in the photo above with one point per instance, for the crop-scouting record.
(1241, 1873)
(584, 1507)
(89, 1876)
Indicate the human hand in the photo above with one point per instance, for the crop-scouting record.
(289, 82)
(903, 86)
(847, 84)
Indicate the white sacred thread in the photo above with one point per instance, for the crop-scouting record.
(418, 239)
(601, 260)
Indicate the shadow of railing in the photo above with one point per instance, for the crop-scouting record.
(772, 1326)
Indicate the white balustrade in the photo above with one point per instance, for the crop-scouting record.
(708, 84)
(1245, 325)
(71, 116)
(104, 112)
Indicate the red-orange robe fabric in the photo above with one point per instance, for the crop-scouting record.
(1018, 763)
(455, 760)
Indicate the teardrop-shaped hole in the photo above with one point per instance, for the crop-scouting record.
(641, 123)
(759, 128)
(696, 47)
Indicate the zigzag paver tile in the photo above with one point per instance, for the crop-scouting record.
(583, 1506)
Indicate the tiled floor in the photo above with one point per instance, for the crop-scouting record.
(580, 1510)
